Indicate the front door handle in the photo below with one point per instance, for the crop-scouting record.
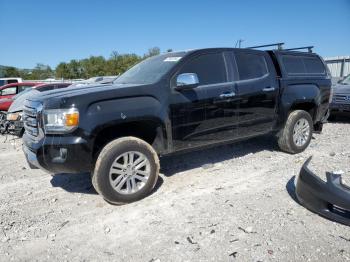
(227, 95)
(268, 89)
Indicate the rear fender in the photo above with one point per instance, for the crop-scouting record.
(297, 95)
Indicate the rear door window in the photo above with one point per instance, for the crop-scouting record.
(250, 65)
(210, 68)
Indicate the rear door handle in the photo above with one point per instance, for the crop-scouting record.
(227, 95)
(268, 89)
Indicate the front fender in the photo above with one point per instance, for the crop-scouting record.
(104, 114)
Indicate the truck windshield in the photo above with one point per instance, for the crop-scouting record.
(150, 70)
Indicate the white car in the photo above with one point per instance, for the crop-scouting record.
(10, 80)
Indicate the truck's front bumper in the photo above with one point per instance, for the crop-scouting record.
(31, 158)
(330, 199)
(58, 154)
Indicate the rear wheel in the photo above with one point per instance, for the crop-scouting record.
(126, 170)
(297, 132)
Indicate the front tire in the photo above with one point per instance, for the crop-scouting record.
(297, 132)
(126, 170)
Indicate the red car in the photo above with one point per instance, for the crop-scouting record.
(7, 92)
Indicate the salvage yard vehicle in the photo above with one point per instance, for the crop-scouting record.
(7, 92)
(13, 123)
(341, 98)
(10, 80)
(96, 80)
(171, 103)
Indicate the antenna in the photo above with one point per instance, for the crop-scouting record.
(239, 42)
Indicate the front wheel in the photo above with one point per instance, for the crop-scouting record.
(126, 170)
(297, 132)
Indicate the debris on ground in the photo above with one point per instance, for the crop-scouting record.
(194, 215)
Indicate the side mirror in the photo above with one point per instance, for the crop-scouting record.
(186, 81)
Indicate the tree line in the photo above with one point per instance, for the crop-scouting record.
(84, 68)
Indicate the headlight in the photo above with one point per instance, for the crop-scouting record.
(14, 116)
(60, 120)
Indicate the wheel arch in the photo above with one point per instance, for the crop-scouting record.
(151, 130)
(305, 97)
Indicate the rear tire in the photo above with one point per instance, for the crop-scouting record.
(126, 170)
(296, 135)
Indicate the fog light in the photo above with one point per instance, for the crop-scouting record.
(62, 157)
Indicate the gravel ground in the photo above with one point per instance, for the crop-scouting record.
(227, 203)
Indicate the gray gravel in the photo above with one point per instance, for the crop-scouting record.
(230, 203)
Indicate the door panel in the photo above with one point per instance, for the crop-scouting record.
(206, 114)
(257, 92)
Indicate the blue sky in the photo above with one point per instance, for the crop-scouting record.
(49, 32)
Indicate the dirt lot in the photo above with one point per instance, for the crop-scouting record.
(228, 203)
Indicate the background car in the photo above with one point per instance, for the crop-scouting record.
(7, 92)
(340, 103)
(97, 80)
(10, 80)
(13, 122)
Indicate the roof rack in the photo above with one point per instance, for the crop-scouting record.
(279, 46)
(309, 48)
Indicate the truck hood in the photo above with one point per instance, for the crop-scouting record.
(341, 89)
(89, 94)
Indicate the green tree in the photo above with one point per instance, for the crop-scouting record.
(41, 72)
(152, 52)
(94, 66)
(116, 64)
(11, 72)
(62, 71)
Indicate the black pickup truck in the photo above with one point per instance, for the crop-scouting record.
(175, 102)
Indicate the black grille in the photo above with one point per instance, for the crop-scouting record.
(30, 118)
(340, 98)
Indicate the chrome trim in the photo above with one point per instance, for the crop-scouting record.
(32, 114)
(187, 79)
(227, 95)
(341, 98)
(268, 89)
